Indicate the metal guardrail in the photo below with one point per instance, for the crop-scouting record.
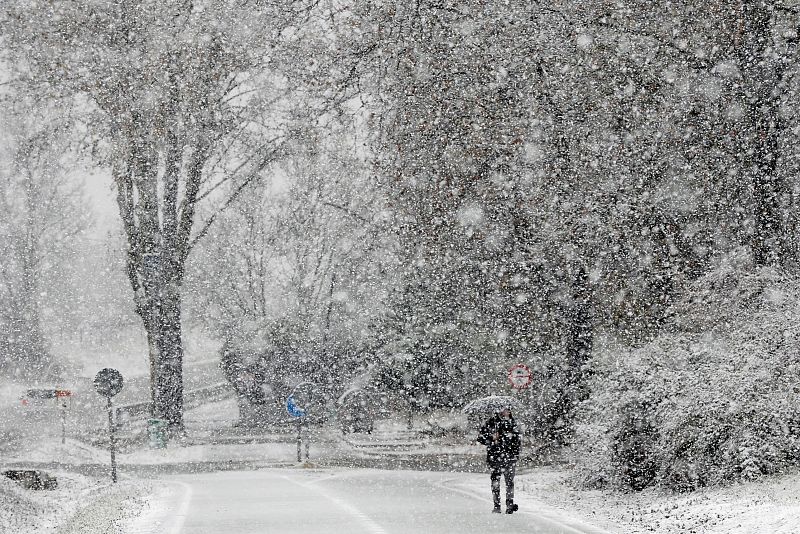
(126, 413)
(197, 397)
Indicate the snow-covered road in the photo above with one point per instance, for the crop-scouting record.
(333, 502)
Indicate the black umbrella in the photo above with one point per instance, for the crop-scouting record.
(490, 405)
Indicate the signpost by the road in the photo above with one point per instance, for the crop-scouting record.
(520, 376)
(62, 397)
(293, 409)
(298, 404)
(108, 382)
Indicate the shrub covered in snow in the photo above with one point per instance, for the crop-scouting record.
(18, 511)
(711, 400)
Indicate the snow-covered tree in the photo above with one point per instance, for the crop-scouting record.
(296, 272)
(556, 170)
(172, 93)
(41, 209)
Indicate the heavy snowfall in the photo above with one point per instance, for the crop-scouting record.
(387, 267)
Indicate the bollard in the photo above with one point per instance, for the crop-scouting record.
(157, 431)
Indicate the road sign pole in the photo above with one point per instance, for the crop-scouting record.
(299, 438)
(111, 436)
(298, 408)
(63, 421)
(308, 437)
(108, 382)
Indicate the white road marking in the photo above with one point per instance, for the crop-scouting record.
(368, 522)
(164, 518)
(183, 509)
(538, 514)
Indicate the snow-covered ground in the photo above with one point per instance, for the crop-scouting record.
(80, 505)
(772, 505)
(769, 506)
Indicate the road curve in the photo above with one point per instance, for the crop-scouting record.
(360, 501)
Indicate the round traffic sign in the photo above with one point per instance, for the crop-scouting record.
(303, 400)
(293, 409)
(520, 376)
(108, 382)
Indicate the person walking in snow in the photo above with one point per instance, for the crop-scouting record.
(501, 436)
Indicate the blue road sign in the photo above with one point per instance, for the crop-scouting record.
(292, 409)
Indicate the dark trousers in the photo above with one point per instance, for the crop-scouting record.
(508, 472)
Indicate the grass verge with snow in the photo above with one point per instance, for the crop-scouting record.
(79, 505)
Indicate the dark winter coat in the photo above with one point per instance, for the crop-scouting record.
(505, 450)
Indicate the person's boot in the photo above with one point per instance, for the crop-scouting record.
(511, 508)
(496, 500)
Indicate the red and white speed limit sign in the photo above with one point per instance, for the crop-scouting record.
(519, 376)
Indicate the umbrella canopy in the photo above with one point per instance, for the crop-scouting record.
(490, 404)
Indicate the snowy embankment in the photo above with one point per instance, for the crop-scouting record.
(770, 506)
(79, 505)
(85, 505)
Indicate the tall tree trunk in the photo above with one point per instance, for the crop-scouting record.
(158, 245)
(147, 240)
(580, 339)
(580, 333)
(169, 392)
(762, 77)
(30, 339)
